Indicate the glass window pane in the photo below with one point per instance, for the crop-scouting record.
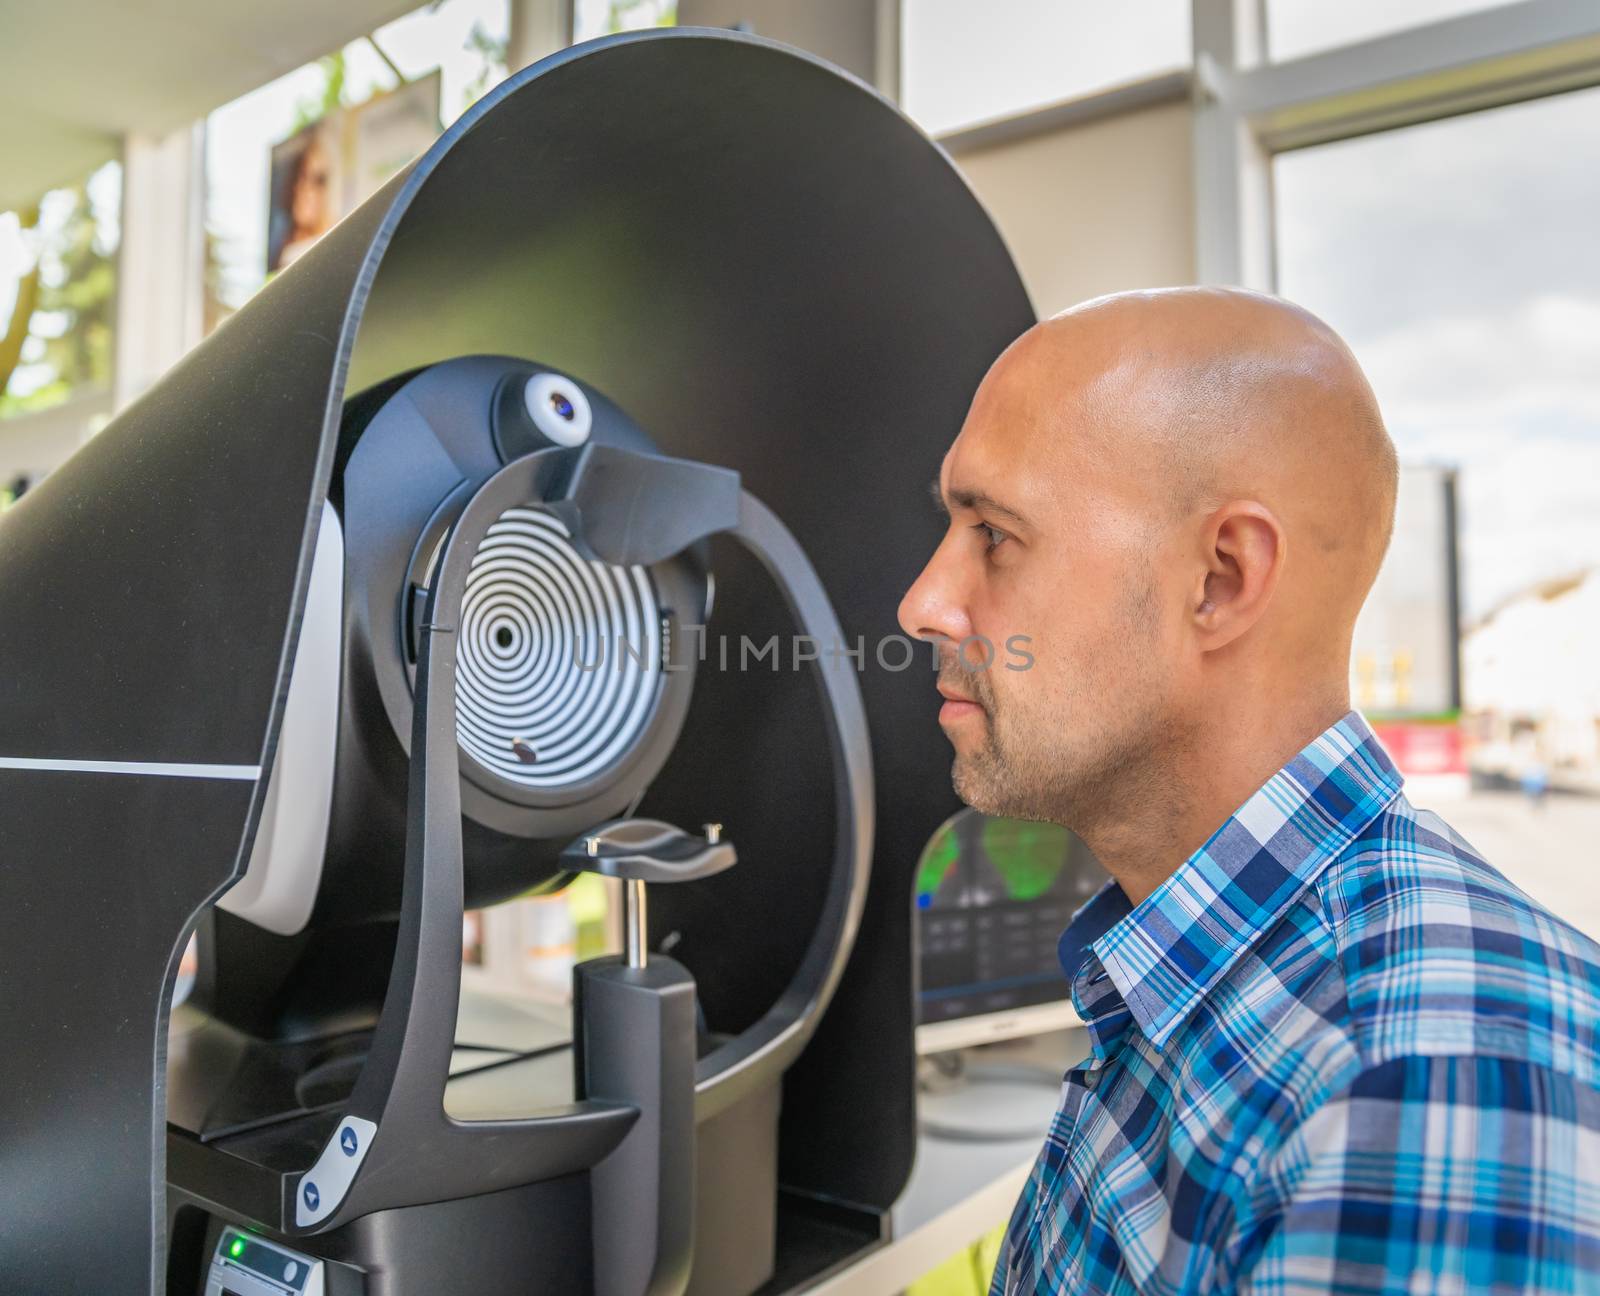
(591, 18)
(962, 63)
(1296, 27)
(460, 42)
(58, 276)
(1459, 259)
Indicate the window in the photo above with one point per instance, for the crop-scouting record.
(962, 63)
(462, 41)
(1459, 260)
(592, 18)
(1295, 27)
(57, 294)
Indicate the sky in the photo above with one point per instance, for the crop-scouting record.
(1460, 261)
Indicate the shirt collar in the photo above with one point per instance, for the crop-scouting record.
(1165, 955)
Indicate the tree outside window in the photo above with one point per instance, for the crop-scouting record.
(57, 293)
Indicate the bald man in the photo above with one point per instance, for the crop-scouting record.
(1333, 1050)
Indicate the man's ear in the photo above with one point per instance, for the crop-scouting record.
(1243, 548)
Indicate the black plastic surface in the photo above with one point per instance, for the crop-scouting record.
(487, 1245)
(417, 1151)
(407, 468)
(636, 1045)
(79, 1124)
(736, 1197)
(774, 272)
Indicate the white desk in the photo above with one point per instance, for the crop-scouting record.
(959, 1190)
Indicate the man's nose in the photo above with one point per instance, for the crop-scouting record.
(935, 605)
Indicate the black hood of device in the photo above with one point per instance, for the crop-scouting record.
(755, 255)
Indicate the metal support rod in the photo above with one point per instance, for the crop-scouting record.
(633, 921)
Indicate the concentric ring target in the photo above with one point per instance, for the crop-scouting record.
(559, 660)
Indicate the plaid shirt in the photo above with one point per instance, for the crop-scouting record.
(1334, 1052)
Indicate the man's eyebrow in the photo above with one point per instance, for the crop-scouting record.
(970, 499)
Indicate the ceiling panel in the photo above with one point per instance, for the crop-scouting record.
(75, 78)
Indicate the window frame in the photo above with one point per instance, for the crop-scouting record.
(1248, 109)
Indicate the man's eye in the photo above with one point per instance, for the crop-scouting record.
(992, 536)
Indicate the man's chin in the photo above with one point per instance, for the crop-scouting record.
(977, 788)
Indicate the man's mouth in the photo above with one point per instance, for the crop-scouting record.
(957, 706)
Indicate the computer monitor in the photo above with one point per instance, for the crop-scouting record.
(993, 897)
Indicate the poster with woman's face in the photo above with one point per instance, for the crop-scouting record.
(327, 169)
(307, 196)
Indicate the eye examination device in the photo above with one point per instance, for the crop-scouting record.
(545, 519)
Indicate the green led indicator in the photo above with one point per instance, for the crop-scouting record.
(236, 1247)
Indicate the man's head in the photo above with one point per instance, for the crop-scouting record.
(1181, 499)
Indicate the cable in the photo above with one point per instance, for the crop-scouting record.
(526, 1056)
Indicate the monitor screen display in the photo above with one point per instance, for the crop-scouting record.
(993, 897)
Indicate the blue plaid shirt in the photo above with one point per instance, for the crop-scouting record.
(1334, 1052)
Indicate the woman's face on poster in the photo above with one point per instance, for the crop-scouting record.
(308, 202)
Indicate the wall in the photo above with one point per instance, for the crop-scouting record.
(845, 32)
(1090, 203)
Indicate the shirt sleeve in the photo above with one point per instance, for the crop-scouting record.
(1434, 1174)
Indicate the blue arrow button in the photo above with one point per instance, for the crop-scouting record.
(312, 1196)
(347, 1141)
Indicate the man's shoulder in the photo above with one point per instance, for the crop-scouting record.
(1440, 954)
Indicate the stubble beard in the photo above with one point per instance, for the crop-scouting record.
(1075, 760)
(1040, 771)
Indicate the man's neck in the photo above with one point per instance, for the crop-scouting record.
(1165, 812)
